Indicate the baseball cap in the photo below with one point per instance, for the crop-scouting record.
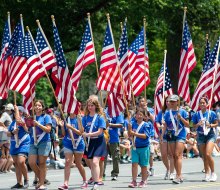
(21, 108)
(9, 107)
(173, 98)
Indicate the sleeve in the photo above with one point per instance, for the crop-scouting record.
(3, 118)
(48, 120)
(101, 122)
(120, 119)
(185, 114)
(194, 118)
(214, 116)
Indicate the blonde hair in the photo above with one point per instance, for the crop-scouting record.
(97, 105)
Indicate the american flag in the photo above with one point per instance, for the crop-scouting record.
(116, 104)
(46, 54)
(109, 78)
(70, 103)
(86, 56)
(139, 64)
(36, 70)
(123, 60)
(187, 63)
(4, 64)
(207, 53)
(24, 69)
(168, 90)
(216, 90)
(205, 83)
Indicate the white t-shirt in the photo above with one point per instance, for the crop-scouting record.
(6, 119)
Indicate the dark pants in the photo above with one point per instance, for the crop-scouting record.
(114, 151)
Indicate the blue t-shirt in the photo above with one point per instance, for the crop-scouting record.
(43, 119)
(145, 129)
(113, 131)
(24, 145)
(67, 141)
(151, 128)
(99, 123)
(181, 127)
(196, 118)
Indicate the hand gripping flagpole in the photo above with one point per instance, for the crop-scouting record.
(96, 63)
(122, 84)
(50, 84)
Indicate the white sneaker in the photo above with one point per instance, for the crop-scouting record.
(206, 178)
(172, 176)
(166, 177)
(213, 177)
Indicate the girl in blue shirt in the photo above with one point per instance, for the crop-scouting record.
(140, 151)
(94, 124)
(19, 150)
(175, 122)
(39, 151)
(205, 121)
(165, 153)
(71, 148)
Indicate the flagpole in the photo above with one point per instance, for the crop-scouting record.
(50, 84)
(164, 74)
(96, 63)
(9, 26)
(22, 24)
(39, 26)
(184, 19)
(124, 97)
(145, 68)
(216, 66)
(129, 75)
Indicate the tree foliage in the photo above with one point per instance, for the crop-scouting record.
(164, 30)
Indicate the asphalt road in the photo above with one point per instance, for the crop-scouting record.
(192, 173)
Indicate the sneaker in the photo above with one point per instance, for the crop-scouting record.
(84, 185)
(90, 181)
(114, 178)
(133, 184)
(17, 186)
(123, 161)
(166, 177)
(177, 181)
(63, 187)
(172, 176)
(100, 183)
(142, 184)
(213, 177)
(95, 187)
(206, 178)
(35, 182)
(26, 184)
(46, 182)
